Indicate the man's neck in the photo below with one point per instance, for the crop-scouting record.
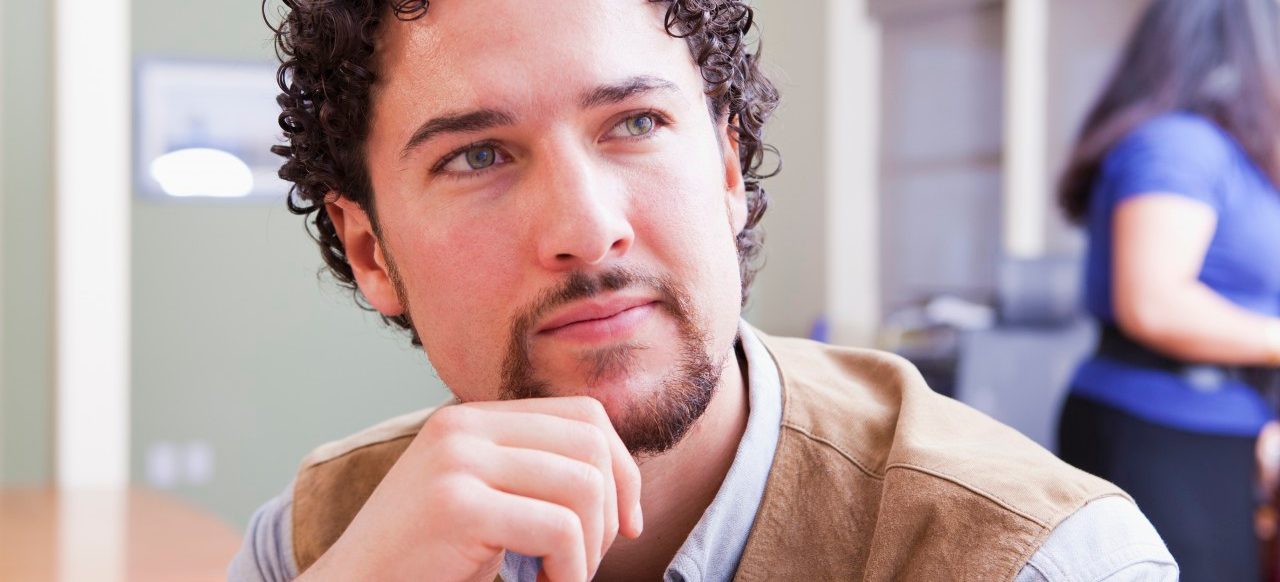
(678, 486)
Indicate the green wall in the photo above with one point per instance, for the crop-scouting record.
(26, 244)
(236, 341)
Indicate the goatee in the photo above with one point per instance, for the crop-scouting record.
(653, 422)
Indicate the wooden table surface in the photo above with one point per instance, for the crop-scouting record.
(133, 535)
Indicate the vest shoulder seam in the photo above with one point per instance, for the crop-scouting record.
(974, 488)
(992, 497)
(837, 448)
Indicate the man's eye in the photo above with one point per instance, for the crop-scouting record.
(639, 124)
(473, 159)
(481, 157)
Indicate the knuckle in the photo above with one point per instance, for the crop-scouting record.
(590, 481)
(454, 455)
(455, 494)
(593, 441)
(590, 408)
(597, 410)
(564, 527)
(601, 453)
(448, 420)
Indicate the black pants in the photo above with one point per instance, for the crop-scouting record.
(1197, 489)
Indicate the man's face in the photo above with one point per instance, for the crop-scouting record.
(554, 199)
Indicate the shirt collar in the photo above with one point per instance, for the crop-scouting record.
(714, 547)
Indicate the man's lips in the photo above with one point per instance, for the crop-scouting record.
(592, 318)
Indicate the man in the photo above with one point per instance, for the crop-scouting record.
(559, 201)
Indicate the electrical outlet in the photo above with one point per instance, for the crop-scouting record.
(162, 465)
(170, 464)
(198, 462)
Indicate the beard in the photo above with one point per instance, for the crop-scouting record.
(655, 420)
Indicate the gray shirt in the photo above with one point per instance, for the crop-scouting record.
(1106, 539)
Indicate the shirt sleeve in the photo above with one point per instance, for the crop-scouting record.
(267, 552)
(1178, 154)
(1108, 539)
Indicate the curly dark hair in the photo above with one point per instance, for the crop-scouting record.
(326, 52)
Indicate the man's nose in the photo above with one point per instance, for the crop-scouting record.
(582, 211)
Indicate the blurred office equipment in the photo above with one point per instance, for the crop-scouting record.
(1012, 360)
(930, 336)
(1041, 292)
(1019, 370)
(1020, 375)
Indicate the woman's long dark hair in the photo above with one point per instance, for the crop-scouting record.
(1216, 58)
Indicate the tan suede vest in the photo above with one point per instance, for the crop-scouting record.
(876, 477)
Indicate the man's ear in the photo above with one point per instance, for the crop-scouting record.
(734, 183)
(365, 254)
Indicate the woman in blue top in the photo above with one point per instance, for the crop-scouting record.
(1174, 176)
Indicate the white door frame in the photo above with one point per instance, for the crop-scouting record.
(1026, 144)
(852, 145)
(92, 198)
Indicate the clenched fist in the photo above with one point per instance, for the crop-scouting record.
(545, 477)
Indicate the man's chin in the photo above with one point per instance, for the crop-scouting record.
(617, 392)
(619, 367)
(652, 408)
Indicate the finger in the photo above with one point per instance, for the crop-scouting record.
(574, 439)
(561, 480)
(571, 438)
(587, 409)
(538, 431)
(532, 527)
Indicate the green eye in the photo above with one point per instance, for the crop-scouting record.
(640, 124)
(481, 157)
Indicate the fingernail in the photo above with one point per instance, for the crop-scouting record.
(637, 517)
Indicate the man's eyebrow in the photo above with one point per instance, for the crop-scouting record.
(469, 122)
(482, 119)
(627, 88)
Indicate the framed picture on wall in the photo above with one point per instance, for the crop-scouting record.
(203, 130)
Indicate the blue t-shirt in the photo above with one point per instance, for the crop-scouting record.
(1186, 155)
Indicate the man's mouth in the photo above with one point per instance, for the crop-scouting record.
(597, 320)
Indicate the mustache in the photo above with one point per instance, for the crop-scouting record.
(517, 370)
(579, 285)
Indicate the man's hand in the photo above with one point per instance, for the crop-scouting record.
(544, 477)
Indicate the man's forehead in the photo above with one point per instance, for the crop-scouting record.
(485, 50)
(500, 21)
